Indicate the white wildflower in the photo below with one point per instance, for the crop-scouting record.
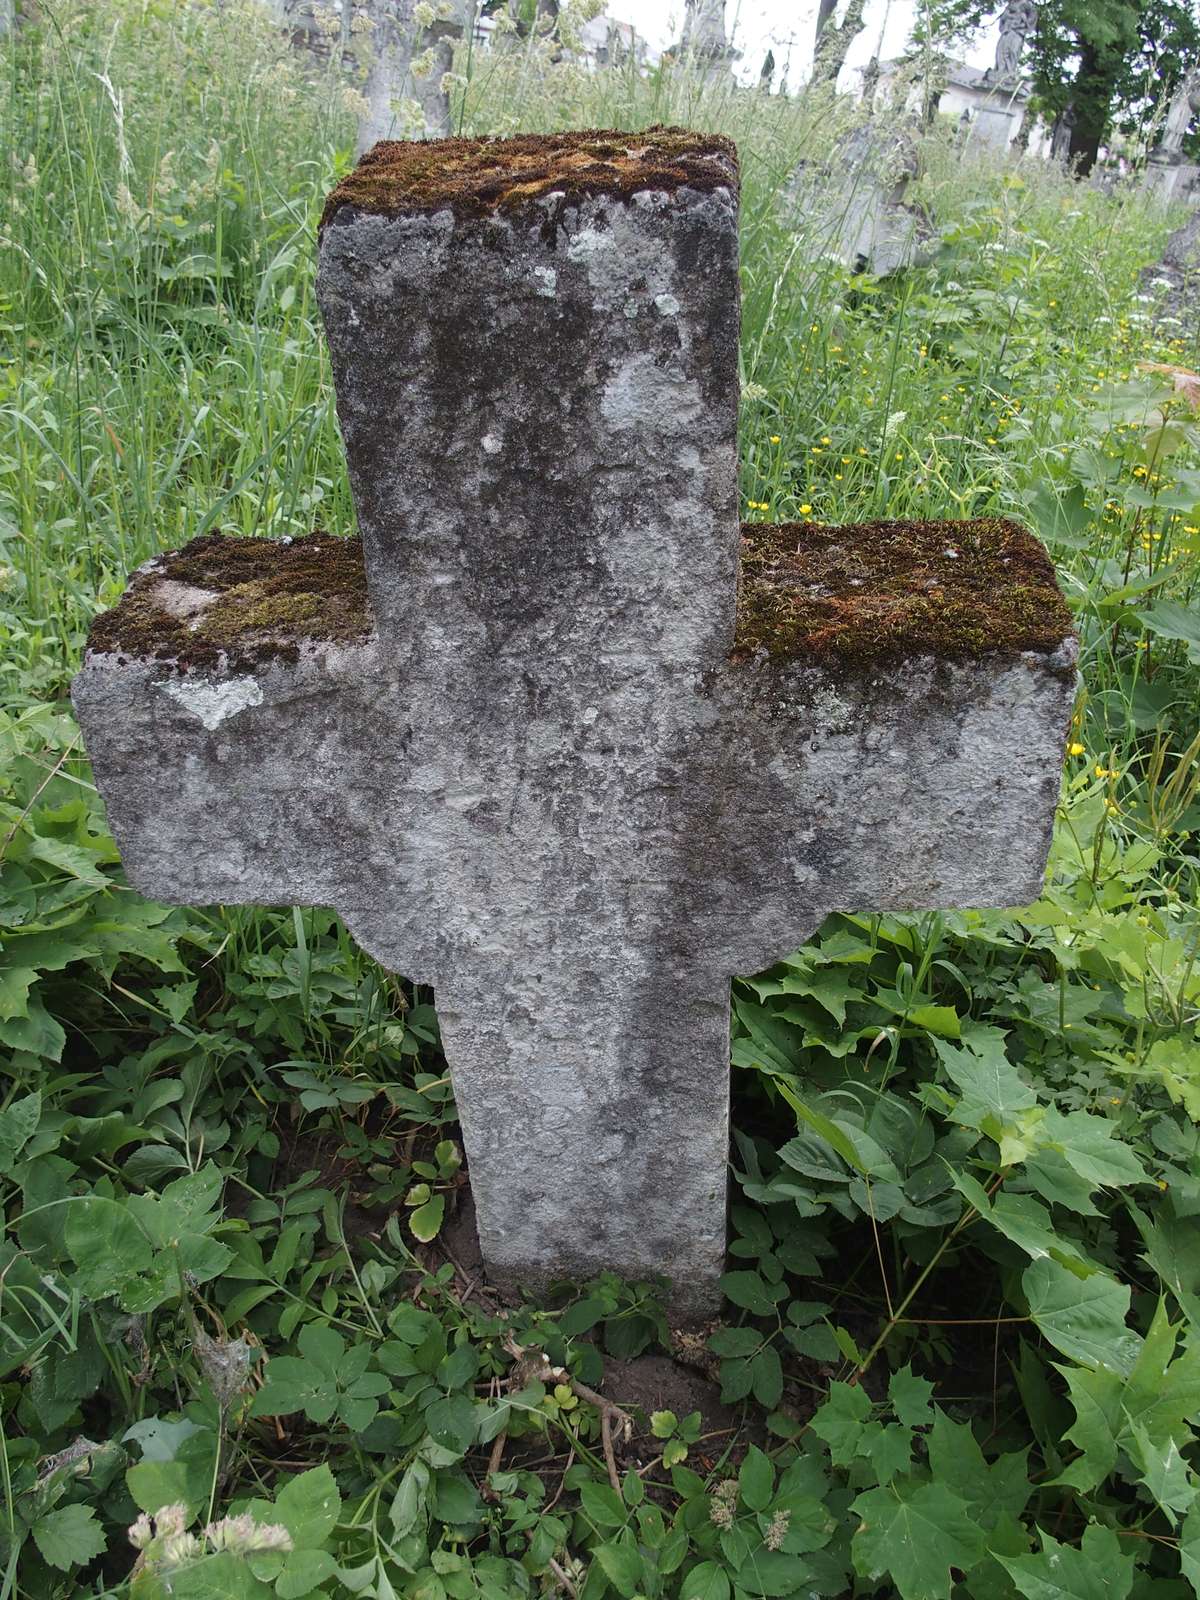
(423, 14)
(244, 1536)
(422, 65)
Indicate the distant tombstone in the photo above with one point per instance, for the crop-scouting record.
(557, 736)
(1060, 138)
(1168, 174)
(859, 211)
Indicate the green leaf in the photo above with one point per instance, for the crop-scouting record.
(1091, 1146)
(603, 1505)
(914, 1534)
(1164, 1472)
(303, 1571)
(623, 1567)
(1084, 1318)
(772, 1573)
(910, 1397)
(1024, 1221)
(426, 1220)
(707, 1581)
(766, 1377)
(187, 1477)
(107, 1245)
(69, 1536)
(841, 1421)
(308, 1506)
(756, 1479)
(18, 1124)
(752, 1292)
(993, 1092)
(1096, 1571)
(1170, 619)
(1189, 1548)
(819, 1123)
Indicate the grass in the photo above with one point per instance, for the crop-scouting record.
(967, 1149)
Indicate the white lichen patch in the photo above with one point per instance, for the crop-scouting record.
(667, 305)
(642, 394)
(214, 703)
(187, 601)
(492, 444)
(545, 281)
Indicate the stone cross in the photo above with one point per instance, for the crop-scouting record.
(558, 736)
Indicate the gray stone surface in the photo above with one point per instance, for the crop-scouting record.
(542, 785)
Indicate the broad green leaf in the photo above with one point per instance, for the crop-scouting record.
(603, 1505)
(1164, 1472)
(841, 1421)
(821, 1124)
(756, 1479)
(1189, 1548)
(426, 1220)
(910, 1397)
(1097, 1570)
(1092, 1148)
(914, 1534)
(1024, 1221)
(1096, 1395)
(752, 1292)
(623, 1567)
(69, 1536)
(1084, 1318)
(308, 1506)
(187, 1477)
(18, 1124)
(707, 1581)
(993, 1490)
(303, 1571)
(993, 1092)
(108, 1246)
(772, 1573)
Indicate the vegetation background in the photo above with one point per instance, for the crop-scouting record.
(961, 1350)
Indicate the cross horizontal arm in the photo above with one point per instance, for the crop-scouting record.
(895, 711)
(226, 703)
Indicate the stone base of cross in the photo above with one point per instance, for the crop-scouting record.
(558, 736)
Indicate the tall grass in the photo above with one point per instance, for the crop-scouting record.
(164, 372)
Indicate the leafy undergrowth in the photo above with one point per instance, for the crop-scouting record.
(242, 1321)
(246, 1348)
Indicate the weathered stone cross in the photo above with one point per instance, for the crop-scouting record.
(534, 759)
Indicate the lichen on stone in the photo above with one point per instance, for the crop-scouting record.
(881, 592)
(235, 603)
(479, 177)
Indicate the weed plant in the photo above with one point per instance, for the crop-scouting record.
(242, 1351)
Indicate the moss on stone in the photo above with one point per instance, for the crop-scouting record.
(479, 177)
(880, 592)
(223, 601)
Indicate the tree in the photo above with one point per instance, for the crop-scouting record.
(1097, 66)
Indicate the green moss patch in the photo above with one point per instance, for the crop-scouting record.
(240, 602)
(478, 177)
(879, 592)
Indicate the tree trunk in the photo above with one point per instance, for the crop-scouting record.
(824, 17)
(1091, 97)
(834, 43)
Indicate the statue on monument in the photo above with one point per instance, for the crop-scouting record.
(1185, 103)
(1016, 23)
